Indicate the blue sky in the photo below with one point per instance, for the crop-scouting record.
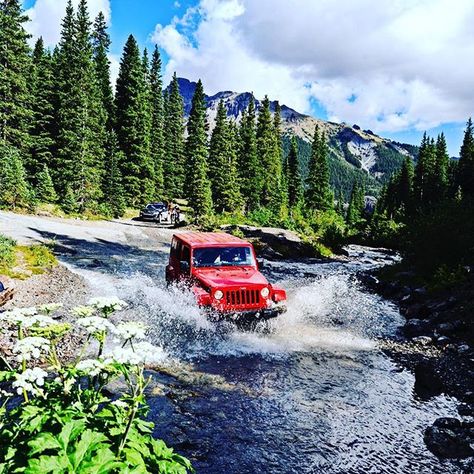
(392, 67)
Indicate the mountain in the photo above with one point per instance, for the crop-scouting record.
(354, 153)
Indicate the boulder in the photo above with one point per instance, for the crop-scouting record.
(448, 438)
(282, 241)
(417, 327)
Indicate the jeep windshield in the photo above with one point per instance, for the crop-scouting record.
(223, 257)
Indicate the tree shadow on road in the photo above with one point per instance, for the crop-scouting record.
(105, 256)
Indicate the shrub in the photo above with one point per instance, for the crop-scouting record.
(7, 252)
(66, 423)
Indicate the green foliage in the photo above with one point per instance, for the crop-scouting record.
(198, 185)
(249, 166)
(78, 162)
(65, 423)
(14, 190)
(295, 185)
(38, 258)
(466, 161)
(132, 120)
(113, 188)
(269, 156)
(44, 188)
(157, 122)
(222, 164)
(15, 63)
(318, 192)
(7, 253)
(355, 211)
(388, 163)
(173, 165)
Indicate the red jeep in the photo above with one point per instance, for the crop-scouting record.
(223, 273)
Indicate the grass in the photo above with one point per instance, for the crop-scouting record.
(23, 261)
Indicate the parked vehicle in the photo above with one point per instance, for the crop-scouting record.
(223, 273)
(157, 212)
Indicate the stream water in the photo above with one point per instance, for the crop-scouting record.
(311, 392)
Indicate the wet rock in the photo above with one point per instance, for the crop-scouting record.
(423, 340)
(417, 327)
(443, 340)
(427, 381)
(448, 438)
(466, 409)
(463, 348)
(446, 328)
(269, 253)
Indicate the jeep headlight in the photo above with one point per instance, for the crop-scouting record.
(218, 295)
(265, 292)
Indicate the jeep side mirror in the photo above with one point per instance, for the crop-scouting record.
(184, 266)
(261, 262)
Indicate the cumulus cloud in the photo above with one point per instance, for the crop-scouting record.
(388, 65)
(46, 16)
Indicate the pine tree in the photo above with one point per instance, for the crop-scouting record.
(113, 189)
(318, 191)
(157, 122)
(15, 63)
(132, 126)
(198, 185)
(424, 179)
(222, 164)
(441, 168)
(356, 207)
(44, 189)
(295, 186)
(101, 44)
(405, 187)
(79, 162)
(466, 161)
(43, 122)
(280, 196)
(173, 165)
(267, 153)
(14, 191)
(249, 166)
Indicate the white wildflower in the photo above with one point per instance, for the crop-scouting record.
(120, 403)
(38, 320)
(30, 348)
(83, 311)
(95, 324)
(18, 316)
(108, 303)
(30, 380)
(131, 330)
(123, 356)
(91, 367)
(149, 353)
(49, 308)
(5, 394)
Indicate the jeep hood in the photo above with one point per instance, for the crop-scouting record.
(230, 277)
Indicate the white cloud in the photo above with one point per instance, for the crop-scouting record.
(388, 65)
(46, 16)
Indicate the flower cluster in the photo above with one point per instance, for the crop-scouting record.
(95, 324)
(91, 367)
(107, 303)
(131, 330)
(49, 308)
(141, 353)
(83, 311)
(31, 348)
(30, 380)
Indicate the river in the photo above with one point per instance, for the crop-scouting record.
(311, 392)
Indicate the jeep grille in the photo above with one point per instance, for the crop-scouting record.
(241, 299)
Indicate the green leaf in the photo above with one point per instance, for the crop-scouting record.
(70, 432)
(43, 442)
(103, 462)
(135, 458)
(88, 443)
(46, 464)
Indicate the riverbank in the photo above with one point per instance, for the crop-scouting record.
(441, 319)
